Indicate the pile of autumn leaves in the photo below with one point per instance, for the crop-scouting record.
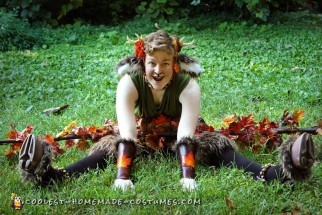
(243, 129)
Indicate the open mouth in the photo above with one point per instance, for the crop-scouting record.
(157, 78)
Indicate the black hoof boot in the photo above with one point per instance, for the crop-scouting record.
(30, 154)
(303, 152)
(35, 162)
(297, 155)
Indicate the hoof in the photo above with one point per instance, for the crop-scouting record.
(30, 154)
(303, 152)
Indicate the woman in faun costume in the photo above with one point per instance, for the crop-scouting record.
(159, 83)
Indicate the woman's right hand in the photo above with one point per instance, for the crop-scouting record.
(123, 184)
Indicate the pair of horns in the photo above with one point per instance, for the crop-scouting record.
(139, 38)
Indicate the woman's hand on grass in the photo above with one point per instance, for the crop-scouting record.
(123, 184)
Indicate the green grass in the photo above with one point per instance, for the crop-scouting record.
(249, 68)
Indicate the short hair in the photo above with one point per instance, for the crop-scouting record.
(158, 41)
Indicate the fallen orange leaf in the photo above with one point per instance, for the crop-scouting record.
(13, 134)
(10, 153)
(230, 204)
(228, 120)
(295, 211)
(319, 123)
(82, 144)
(297, 115)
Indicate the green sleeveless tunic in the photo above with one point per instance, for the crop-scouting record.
(170, 105)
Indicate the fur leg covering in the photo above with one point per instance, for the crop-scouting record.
(192, 143)
(35, 175)
(289, 168)
(107, 144)
(211, 146)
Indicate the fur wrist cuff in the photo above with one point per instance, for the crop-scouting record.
(123, 140)
(191, 142)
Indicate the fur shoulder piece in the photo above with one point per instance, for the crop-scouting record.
(129, 65)
(189, 65)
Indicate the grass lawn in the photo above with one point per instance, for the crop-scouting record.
(249, 68)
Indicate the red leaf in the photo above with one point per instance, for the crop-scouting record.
(29, 129)
(151, 140)
(230, 204)
(263, 124)
(10, 153)
(139, 49)
(82, 144)
(49, 138)
(80, 131)
(92, 129)
(234, 128)
(247, 121)
(16, 146)
(204, 127)
(12, 126)
(161, 120)
(13, 134)
(211, 129)
(56, 148)
(69, 143)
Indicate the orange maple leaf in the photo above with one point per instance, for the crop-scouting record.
(297, 115)
(211, 129)
(10, 153)
(228, 120)
(16, 146)
(13, 134)
(92, 129)
(66, 130)
(82, 144)
(188, 160)
(49, 138)
(123, 161)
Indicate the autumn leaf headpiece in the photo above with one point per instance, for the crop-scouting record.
(183, 63)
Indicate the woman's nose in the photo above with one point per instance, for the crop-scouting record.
(157, 69)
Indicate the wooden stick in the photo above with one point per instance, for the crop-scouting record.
(172, 134)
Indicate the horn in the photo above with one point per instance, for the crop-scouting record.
(157, 26)
(134, 41)
(186, 44)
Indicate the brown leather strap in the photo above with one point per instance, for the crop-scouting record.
(125, 158)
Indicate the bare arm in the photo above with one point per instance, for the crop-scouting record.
(126, 97)
(190, 100)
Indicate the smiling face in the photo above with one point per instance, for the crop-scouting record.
(159, 69)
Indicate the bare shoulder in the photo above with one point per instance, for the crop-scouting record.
(191, 91)
(127, 88)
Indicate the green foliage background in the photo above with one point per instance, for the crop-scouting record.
(249, 68)
(114, 12)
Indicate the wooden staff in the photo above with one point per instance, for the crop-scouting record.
(173, 134)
